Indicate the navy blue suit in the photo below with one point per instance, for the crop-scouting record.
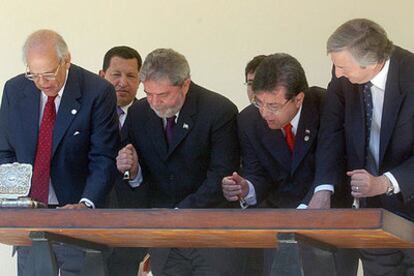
(85, 136)
(188, 172)
(282, 179)
(342, 146)
(343, 134)
(84, 147)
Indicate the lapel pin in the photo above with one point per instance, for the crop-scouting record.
(74, 111)
(306, 138)
(185, 126)
(307, 131)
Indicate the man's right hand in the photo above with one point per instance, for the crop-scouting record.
(320, 200)
(127, 160)
(234, 187)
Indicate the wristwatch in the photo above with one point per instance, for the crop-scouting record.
(390, 188)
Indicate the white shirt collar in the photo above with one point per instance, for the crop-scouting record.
(380, 79)
(295, 121)
(125, 107)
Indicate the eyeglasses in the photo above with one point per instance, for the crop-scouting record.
(49, 76)
(273, 107)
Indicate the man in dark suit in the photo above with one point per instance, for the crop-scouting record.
(61, 119)
(278, 137)
(367, 131)
(183, 141)
(121, 65)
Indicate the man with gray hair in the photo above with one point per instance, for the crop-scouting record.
(183, 141)
(367, 132)
(61, 119)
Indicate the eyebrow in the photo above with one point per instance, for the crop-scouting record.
(148, 93)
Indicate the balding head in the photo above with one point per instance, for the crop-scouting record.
(44, 41)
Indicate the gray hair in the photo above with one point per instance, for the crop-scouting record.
(163, 64)
(42, 38)
(364, 39)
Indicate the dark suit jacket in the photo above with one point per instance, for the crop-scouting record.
(342, 142)
(284, 179)
(204, 149)
(85, 136)
(123, 195)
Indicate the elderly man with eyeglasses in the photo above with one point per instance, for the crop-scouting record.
(278, 134)
(61, 119)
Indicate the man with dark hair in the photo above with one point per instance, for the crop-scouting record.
(121, 67)
(278, 135)
(61, 119)
(183, 142)
(249, 73)
(367, 132)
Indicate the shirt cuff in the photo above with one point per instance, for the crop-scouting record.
(302, 206)
(87, 203)
(136, 182)
(393, 181)
(324, 187)
(250, 198)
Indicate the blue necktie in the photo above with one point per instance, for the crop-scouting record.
(369, 162)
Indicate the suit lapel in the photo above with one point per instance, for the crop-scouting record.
(275, 143)
(155, 130)
(306, 133)
(29, 110)
(68, 108)
(357, 119)
(185, 121)
(392, 101)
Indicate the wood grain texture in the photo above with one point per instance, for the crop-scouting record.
(345, 228)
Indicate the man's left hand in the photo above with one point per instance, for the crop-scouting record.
(364, 184)
(74, 206)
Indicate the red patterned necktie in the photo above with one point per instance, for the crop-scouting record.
(290, 138)
(41, 170)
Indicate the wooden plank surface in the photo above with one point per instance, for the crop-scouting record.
(347, 228)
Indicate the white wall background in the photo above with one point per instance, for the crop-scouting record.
(217, 37)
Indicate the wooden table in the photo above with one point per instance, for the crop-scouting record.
(254, 228)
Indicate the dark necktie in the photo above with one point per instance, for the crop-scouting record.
(169, 129)
(370, 165)
(290, 138)
(120, 113)
(41, 170)
(368, 106)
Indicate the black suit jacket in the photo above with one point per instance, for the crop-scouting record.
(342, 142)
(277, 175)
(123, 195)
(85, 136)
(188, 173)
